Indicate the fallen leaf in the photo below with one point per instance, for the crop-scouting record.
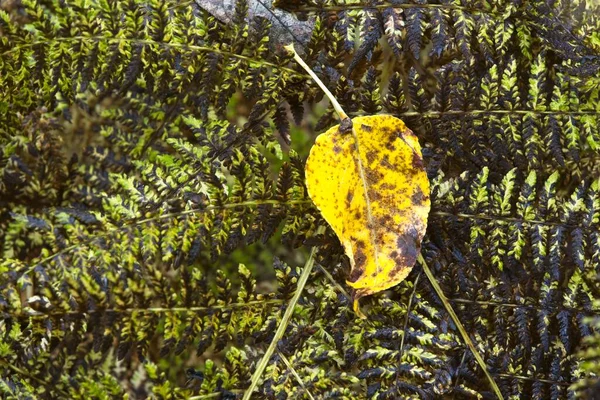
(368, 180)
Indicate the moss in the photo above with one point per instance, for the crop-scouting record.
(142, 143)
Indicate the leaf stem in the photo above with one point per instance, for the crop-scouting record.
(334, 102)
(285, 320)
(346, 126)
(460, 326)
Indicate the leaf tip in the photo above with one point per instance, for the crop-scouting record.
(357, 311)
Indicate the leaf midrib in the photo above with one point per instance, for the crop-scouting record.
(370, 222)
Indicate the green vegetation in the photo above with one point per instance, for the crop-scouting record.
(154, 220)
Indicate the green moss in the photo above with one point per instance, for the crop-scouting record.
(144, 156)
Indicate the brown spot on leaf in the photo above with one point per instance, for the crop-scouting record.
(409, 246)
(385, 162)
(398, 270)
(408, 132)
(391, 136)
(371, 155)
(387, 186)
(387, 132)
(366, 127)
(360, 260)
(386, 221)
(374, 195)
(373, 176)
(417, 197)
(354, 275)
(337, 149)
(417, 162)
(349, 197)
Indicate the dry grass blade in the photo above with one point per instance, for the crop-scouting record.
(460, 327)
(285, 320)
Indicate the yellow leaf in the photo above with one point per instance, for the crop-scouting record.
(368, 180)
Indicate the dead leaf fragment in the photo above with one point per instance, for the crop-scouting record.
(370, 184)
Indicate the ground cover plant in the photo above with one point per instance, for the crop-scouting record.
(155, 222)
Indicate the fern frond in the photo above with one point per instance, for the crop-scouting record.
(153, 214)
